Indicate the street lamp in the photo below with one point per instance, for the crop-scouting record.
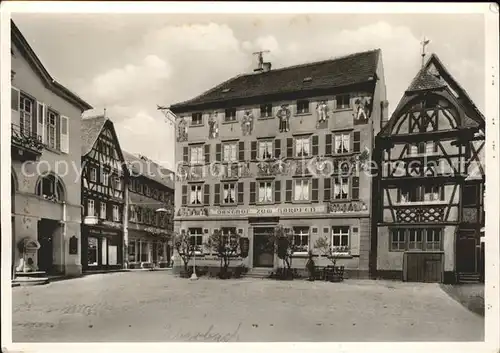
(193, 275)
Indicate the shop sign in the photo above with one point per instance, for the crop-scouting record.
(347, 207)
(156, 231)
(267, 211)
(96, 231)
(111, 224)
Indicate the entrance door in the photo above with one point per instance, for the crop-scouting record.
(263, 248)
(46, 230)
(466, 253)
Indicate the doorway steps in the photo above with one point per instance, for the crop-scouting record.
(30, 278)
(259, 272)
(469, 277)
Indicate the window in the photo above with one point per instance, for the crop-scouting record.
(433, 239)
(103, 210)
(302, 146)
(429, 147)
(433, 193)
(229, 152)
(196, 119)
(229, 193)
(342, 143)
(398, 242)
(90, 208)
(133, 213)
(139, 215)
(301, 190)
(265, 191)
(265, 149)
(51, 129)
(415, 240)
(301, 239)
(340, 188)
(409, 193)
(229, 235)
(105, 178)
(343, 101)
(196, 238)
(93, 174)
(266, 110)
(116, 213)
(230, 114)
(302, 107)
(196, 195)
(340, 239)
(197, 156)
(428, 239)
(50, 188)
(26, 112)
(131, 250)
(117, 183)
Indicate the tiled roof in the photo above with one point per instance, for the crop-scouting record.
(148, 168)
(90, 129)
(343, 71)
(425, 81)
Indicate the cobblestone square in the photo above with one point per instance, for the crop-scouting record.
(159, 307)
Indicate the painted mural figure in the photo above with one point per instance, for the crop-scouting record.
(284, 118)
(213, 126)
(182, 134)
(247, 123)
(322, 109)
(361, 109)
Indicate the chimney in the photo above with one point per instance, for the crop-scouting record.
(266, 67)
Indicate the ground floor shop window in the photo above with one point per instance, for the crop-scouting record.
(196, 239)
(92, 251)
(340, 239)
(131, 251)
(429, 239)
(144, 251)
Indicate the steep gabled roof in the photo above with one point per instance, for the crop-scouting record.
(90, 130)
(30, 56)
(435, 77)
(338, 72)
(150, 169)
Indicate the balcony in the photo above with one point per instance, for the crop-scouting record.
(26, 146)
(433, 213)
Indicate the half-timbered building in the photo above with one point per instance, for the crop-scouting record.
(150, 213)
(45, 152)
(428, 191)
(267, 148)
(103, 188)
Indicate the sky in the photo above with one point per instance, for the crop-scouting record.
(130, 63)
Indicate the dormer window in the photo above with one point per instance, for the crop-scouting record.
(307, 79)
(225, 90)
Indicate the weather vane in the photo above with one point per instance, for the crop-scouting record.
(424, 43)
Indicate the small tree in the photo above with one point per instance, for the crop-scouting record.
(284, 246)
(226, 247)
(326, 249)
(183, 246)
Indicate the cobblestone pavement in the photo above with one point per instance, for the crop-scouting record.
(158, 307)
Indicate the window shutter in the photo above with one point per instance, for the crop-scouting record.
(315, 145)
(185, 154)
(64, 134)
(354, 241)
(289, 147)
(206, 194)
(277, 191)
(40, 112)
(328, 145)
(252, 192)
(58, 134)
(315, 191)
(355, 188)
(327, 189)
(14, 99)
(184, 195)
(253, 152)
(34, 119)
(288, 191)
(241, 193)
(241, 151)
(277, 148)
(218, 152)
(207, 153)
(356, 144)
(217, 194)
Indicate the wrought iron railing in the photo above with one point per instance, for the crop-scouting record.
(25, 138)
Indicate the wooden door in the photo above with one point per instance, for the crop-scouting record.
(424, 267)
(45, 238)
(466, 254)
(263, 249)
